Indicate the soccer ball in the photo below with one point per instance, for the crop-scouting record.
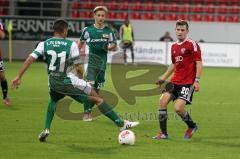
(126, 137)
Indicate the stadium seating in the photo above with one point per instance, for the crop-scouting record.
(195, 10)
(4, 4)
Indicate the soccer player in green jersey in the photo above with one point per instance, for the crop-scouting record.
(100, 39)
(61, 56)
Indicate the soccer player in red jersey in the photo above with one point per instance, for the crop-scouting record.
(186, 68)
(3, 80)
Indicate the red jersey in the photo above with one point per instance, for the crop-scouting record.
(184, 55)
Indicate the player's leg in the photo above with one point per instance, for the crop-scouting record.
(185, 97)
(97, 85)
(163, 116)
(132, 52)
(91, 76)
(54, 98)
(106, 110)
(124, 53)
(4, 85)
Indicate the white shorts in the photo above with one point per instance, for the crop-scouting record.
(80, 83)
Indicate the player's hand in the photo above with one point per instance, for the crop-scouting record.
(15, 83)
(112, 47)
(196, 86)
(159, 82)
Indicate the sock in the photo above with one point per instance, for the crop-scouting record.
(187, 119)
(4, 86)
(88, 106)
(50, 113)
(132, 57)
(108, 112)
(163, 116)
(125, 57)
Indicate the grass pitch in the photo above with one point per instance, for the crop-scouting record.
(215, 108)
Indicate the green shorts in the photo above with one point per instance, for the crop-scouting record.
(95, 75)
(56, 96)
(61, 87)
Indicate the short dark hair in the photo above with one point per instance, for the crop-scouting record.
(181, 23)
(59, 25)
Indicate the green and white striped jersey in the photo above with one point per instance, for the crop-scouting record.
(97, 40)
(59, 53)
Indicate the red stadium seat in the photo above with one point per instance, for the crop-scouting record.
(136, 5)
(197, 17)
(199, 1)
(184, 8)
(186, 1)
(136, 15)
(155, 16)
(234, 9)
(222, 9)
(87, 4)
(162, 16)
(75, 14)
(147, 16)
(184, 17)
(148, 6)
(1, 11)
(173, 7)
(172, 17)
(210, 8)
(209, 18)
(75, 5)
(210, 1)
(162, 7)
(221, 18)
(124, 5)
(85, 14)
(111, 15)
(111, 5)
(122, 15)
(197, 8)
(234, 18)
(223, 1)
(234, 2)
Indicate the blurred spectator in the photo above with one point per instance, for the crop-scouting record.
(127, 39)
(166, 37)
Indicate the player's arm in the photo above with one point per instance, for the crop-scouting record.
(198, 60)
(196, 84)
(112, 42)
(121, 32)
(133, 34)
(81, 44)
(2, 34)
(75, 55)
(166, 75)
(17, 80)
(79, 70)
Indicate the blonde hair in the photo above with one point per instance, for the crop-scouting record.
(103, 8)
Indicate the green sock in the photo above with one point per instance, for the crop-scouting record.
(88, 106)
(108, 112)
(50, 113)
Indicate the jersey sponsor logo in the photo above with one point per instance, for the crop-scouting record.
(105, 36)
(98, 40)
(183, 50)
(178, 58)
